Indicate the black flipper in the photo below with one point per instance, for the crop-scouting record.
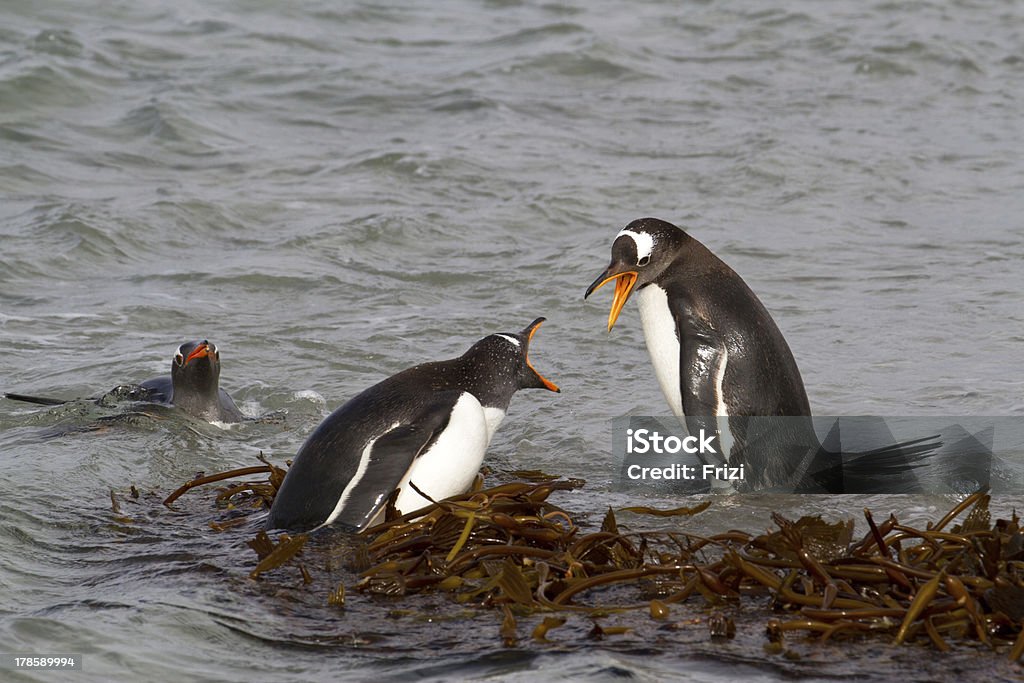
(38, 400)
(330, 460)
(390, 458)
(698, 368)
(699, 362)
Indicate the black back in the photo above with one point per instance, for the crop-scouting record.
(715, 312)
(411, 408)
(713, 306)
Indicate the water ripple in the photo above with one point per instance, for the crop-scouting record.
(334, 193)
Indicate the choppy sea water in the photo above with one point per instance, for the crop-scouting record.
(332, 193)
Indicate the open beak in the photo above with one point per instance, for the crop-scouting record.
(201, 351)
(624, 283)
(530, 330)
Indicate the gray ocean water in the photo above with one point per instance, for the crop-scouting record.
(332, 192)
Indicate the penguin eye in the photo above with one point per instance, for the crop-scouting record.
(644, 260)
(178, 358)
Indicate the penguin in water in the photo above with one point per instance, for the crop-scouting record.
(193, 387)
(714, 346)
(428, 426)
(717, 353)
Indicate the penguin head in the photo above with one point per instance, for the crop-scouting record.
(640, 253)
(195, 369)
(501, 366)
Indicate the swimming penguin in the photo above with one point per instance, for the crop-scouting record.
(193, 386)
(724, 366)
(427, 426)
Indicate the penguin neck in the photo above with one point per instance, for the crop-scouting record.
(492, 418)
(198, 405)
(493, 402)
(202, 402)
(490, 379)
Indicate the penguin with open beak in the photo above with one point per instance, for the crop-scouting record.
(715, 348)
(717, 353)
(425, 428)
(723, 366)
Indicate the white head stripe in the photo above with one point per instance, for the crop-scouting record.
(511, 340)
(644, 242)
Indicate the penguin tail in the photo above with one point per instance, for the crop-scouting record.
(39, 400)
(895, 468)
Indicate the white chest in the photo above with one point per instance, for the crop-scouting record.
(451, 464)
(662, 343)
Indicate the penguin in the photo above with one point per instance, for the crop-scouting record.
(426, 427)
(714, 346)
(723, 365)
(193, 386)
(716, 350)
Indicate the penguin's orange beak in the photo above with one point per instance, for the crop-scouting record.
(625, 281)
(529, 332)
(201, 351)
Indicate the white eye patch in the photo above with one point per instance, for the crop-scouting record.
(644, 244)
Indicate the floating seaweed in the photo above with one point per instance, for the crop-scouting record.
(509, 548)
(265, 491)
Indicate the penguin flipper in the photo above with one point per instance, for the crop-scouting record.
(701, 372)
(387, 461)
(701, 365)
(38, 400)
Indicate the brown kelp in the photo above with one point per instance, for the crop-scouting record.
(510, 548)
